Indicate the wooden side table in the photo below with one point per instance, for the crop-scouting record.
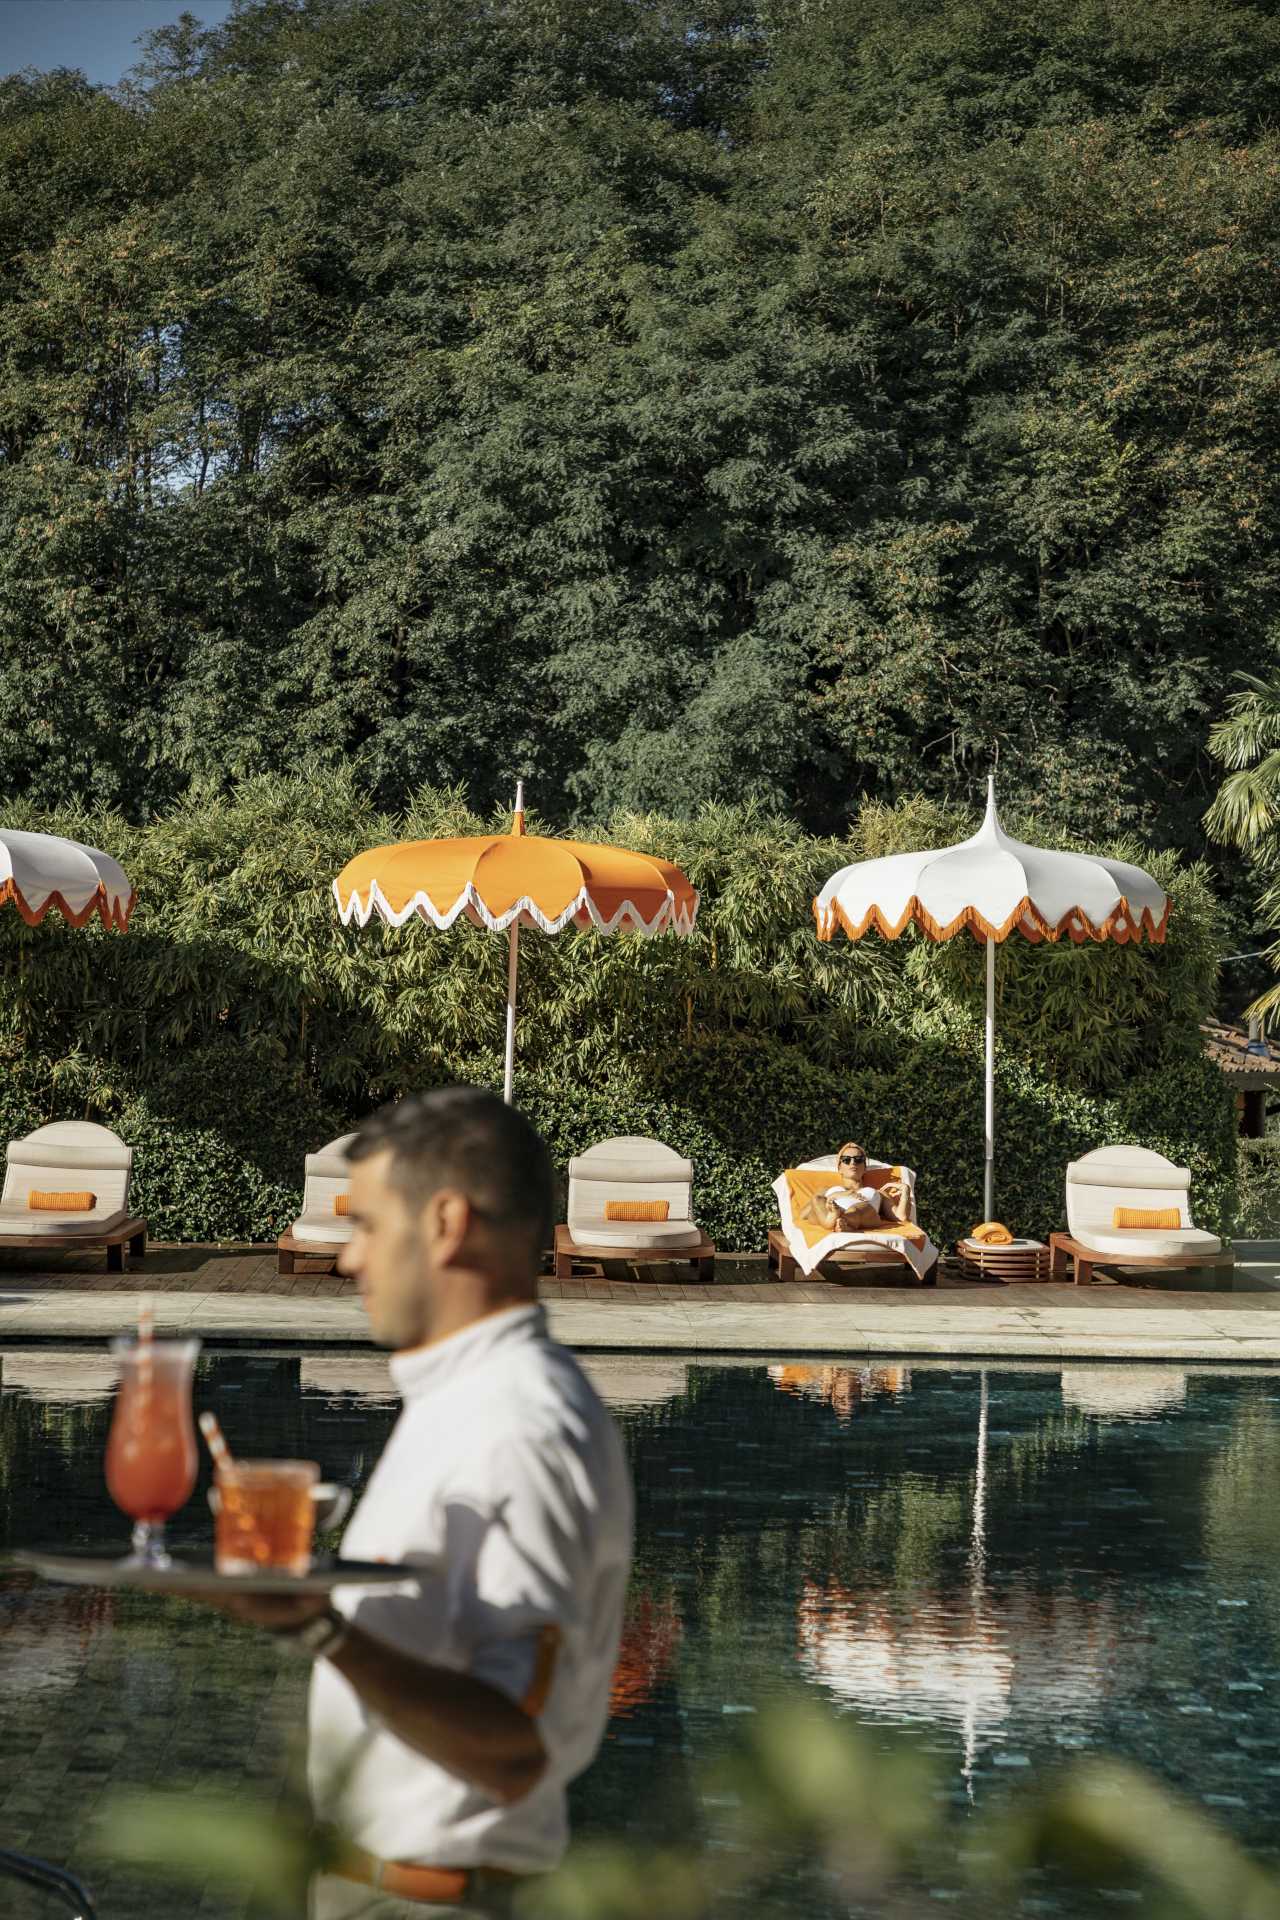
(1063, 1247)
(1023, 1263)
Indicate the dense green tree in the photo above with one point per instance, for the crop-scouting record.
(670, 405)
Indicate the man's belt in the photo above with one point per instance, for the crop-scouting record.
(431, 1886)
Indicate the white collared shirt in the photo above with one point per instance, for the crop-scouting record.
(507, 1479)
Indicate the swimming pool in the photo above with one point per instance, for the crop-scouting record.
(1003, 1566)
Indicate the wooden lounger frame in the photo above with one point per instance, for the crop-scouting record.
(851, 1259)
(132, 1231)
(1062, 1247)
(568, 1250)
(288, 1250)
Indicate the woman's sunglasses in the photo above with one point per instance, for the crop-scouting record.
(852, 1160)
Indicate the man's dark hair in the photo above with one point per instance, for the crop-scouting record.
(465, 1137)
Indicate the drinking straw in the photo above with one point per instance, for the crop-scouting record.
(146, 1329)
(217, 1445)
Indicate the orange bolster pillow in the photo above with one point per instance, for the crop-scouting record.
(342, 1203)
(636, 1209)
(61, 1202)
(1146, 1217)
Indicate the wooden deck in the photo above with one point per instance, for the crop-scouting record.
(187, 1268)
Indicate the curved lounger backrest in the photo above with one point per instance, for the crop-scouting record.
(1123, 1176)
(631, 1157)
(328, 1175)
(631, 1168)
(69, 1155)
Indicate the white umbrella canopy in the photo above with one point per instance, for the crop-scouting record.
(39, 871)
(993, 886)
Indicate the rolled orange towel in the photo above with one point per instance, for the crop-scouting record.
(636, 1209)
(992, 1234)
(342, 1203)
(1146, 1217)
(61, 1202)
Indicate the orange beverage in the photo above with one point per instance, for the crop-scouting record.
(266, 1516)
(151, 1450)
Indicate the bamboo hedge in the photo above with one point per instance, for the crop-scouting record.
(237, 1024)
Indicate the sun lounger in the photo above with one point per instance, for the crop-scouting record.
(71, 1157)
(804, 1244)
(623, 1174)
(1139, 1180)
(320, 1232)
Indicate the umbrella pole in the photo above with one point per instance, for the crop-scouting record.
(989, 1129)
(512, 963)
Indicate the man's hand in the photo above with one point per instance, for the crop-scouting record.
(464, 1724)
(280, 1612)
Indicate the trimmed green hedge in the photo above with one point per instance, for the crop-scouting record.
(219, 1143)
(742, 1110)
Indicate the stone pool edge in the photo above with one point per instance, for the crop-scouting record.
(868, 1325)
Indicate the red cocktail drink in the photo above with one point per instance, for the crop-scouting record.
(151, 1450)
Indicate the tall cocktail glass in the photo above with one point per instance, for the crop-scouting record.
(151, 1450)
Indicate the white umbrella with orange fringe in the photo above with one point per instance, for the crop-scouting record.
(39, 871)
(994, 886)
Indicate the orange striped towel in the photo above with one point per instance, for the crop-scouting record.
(342, 1203)
(1146, 1217)
(61, 1202)
(802, 1185)
(636, 1209)
(992, 1234)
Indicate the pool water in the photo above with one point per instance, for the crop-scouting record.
(998, 1567)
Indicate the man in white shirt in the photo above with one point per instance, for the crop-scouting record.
(447, 1718)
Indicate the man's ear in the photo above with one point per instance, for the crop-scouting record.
(445, 1224)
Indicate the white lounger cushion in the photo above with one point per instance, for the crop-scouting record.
(30, 1220)
(1143, 1243)
(1112, 1177)
(67, 1156)
(631, 1168)
(327, 1175)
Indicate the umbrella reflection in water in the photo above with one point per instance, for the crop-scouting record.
(971, 1661)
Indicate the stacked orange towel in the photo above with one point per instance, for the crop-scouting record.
(1146, 1217)
(636, 1209)
(992, 1234)
(60, 1202)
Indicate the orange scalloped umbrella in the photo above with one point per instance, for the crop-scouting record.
(504, 881)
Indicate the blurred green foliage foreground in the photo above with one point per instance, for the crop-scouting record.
(238, 1024)
(805, 1796)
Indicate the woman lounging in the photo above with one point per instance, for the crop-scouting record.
(853, 1206)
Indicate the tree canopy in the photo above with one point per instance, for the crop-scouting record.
(671, 405)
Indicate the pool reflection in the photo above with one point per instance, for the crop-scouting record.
(842, 1388)
(1005, 1561)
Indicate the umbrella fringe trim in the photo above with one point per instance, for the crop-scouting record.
(667, 918)
(100, 902)
(1026, 918)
